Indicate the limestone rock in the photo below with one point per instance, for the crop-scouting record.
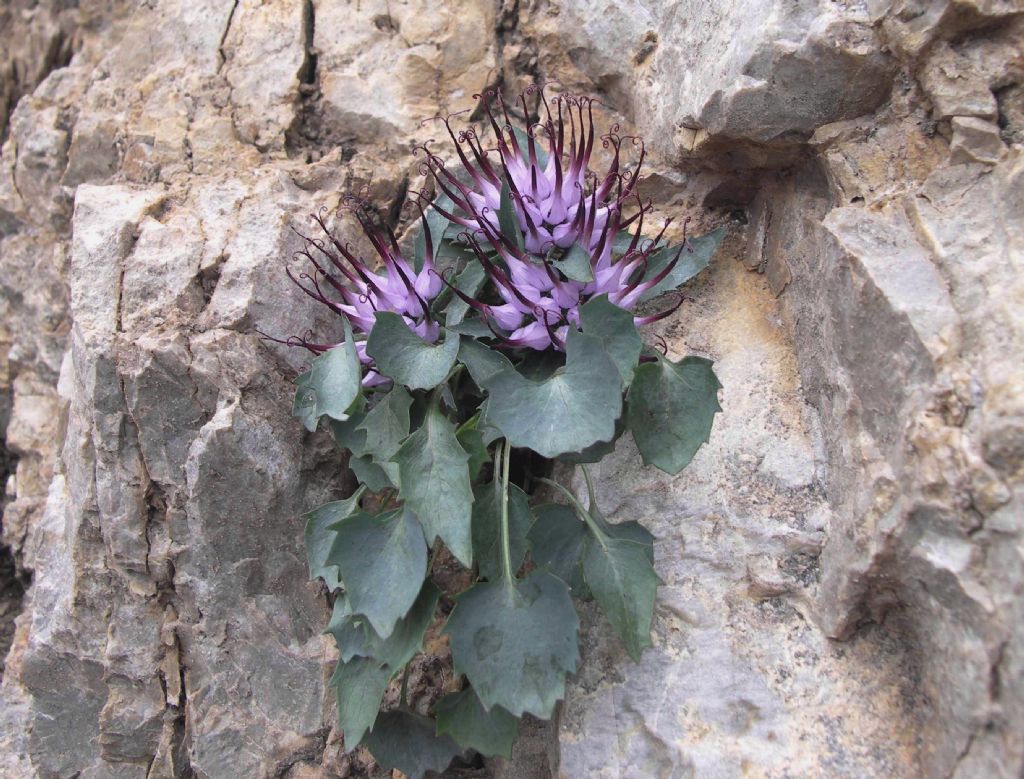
(842, 561)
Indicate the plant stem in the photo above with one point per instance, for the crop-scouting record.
(582, 512)
(405, 685)
(591, 497)
(506, 546)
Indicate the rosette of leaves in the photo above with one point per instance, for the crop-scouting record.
(508, 329)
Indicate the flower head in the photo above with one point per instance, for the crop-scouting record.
(347, 285)
(559, 206)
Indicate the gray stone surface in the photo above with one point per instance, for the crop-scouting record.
(843, 562)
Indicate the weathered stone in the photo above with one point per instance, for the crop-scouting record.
(842, 561)
(975, 140)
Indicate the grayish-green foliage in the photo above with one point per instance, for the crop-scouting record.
(671, 408)
(567, 412)
(407, 741)
(382, 561)
(424, 444)
(487, 528)
(696, 255)
(434, 473)
(359, 687)
(402, 355)
(320, 537)
(332, 384)
(615, 329)
(515, 641)
(623, 582)
(575, 264)
(462, 716)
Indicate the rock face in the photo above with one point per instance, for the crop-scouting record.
(843, 563)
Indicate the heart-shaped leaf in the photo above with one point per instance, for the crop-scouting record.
(623, 582)
(356, 637)
(408, 742)
(332, 384)
(387, 424)
(487, 528)
(572, 409)
(575, 264)
(464, 718)
(615, 329)
(482, 362)
(320, 537)
(557, 538)
(695, 257)
(304, 402)
(382, 561)
(402, 355)
(472, 440)
(469, 282)
(671, 407)
(515, 641)
(359, 687)
(434, 474)
(370, 473)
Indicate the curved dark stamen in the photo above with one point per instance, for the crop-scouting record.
(475, 304)
(646, 320)
(547, 326)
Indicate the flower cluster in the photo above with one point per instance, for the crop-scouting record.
(548, 232)
(359, 291)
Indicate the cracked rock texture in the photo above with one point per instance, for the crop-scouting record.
(843, 563)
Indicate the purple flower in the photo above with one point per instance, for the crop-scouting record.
(346, 284)
(558, 204)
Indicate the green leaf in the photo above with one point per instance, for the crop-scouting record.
(615, 329)
(387, 424)
(482, 362)
(487, 528)
(402, 355)
(573, 409)
(359, 685)
(468, 282)
(464, 718)
(434, 474)
(515, 641)
(304, 402)
(623, 582)
(472, 327)
(438, 224)
(356, 637)
(524, 143)
(370, 474)
(508, 222)
(595, 452)
(557, 539)
(382, 561)
(472, 440)
(671, 407)
(575, 264)
(348, 435)
(623, 239)
(332, 385)
(320, 536)
(694, 259)
(407, 741)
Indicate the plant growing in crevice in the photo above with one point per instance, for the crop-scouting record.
(509, 326)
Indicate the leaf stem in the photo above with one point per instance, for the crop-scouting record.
(591, 497)
(506, 546)
(583, 513)
(405, 685)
